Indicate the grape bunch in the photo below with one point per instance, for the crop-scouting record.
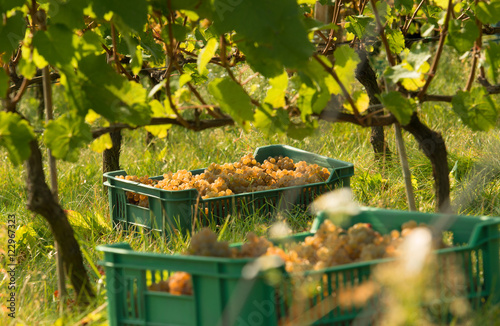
(246, 175)
(179, 283)
(331, 246)
(135, 198)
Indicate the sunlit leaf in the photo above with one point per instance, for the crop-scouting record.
(271, 121)
(160, 111)
(102, 143)
(276, 94)
(206, 54)
(476, 109)
(361, 100)
(396, 40)
(232, 100)
(66, 135)
(15, 136)
(360, 26)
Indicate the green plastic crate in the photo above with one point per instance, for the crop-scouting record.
(222, 297)
(169, 210)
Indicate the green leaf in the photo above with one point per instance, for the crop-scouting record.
(191, 69)
(12, 32)
(272, 34)
(151, 47)
(407, 4)
(488, 13)
(66, 135)
(276, 94)
(132, 13)
(396, 40)
(399, 72)
(360, 26)
(112, 95)
(401, 107)
(492, 60)
(346, 61)
(232, 100)
(271, 121)
(15, 136)
(4, 83)
(102, 143)
(302, 130)
(205, 55)
(69, 13)
(476, 109)
(6, 5)
(461, 36)
(55, 44)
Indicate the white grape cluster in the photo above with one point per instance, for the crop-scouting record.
(246, 175)
(135, 198)
(329, 246)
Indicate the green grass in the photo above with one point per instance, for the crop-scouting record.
(475, 186)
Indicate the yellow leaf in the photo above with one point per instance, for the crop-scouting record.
(102, 143)
(91, 116)
(361, 100)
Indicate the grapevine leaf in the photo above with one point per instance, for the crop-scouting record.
(66, 135)
(133, 13)
(401, 71)
(360, 26)
(160, 111)
(69, 13)
(184, 79)
(488, 13)
(206, 54)
(190, 68)
(12, 32)
(407, 4)
(55, 45)
(346, 61)
(102, 143)
(112, 95)
(401, 107)
(232, 100)
(15, 136)
(272, 34)
(271, 121)
(361, 100)
(461, 36)
(26, 66)
(396, 40)
(276, 94)
(492, 60)
(476, 109)
(148, 43)
(442, 3)
(302, 130)
(6, 5)
(4, 83)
